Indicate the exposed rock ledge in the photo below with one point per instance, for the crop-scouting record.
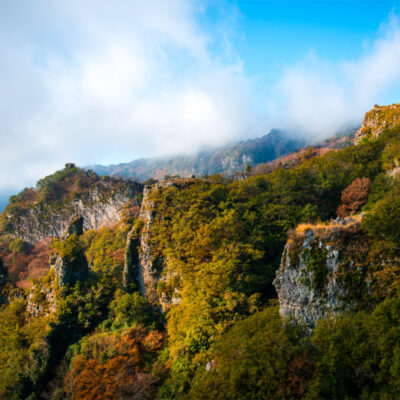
(376, 120)
(145, 264)
(308, 282)
(43, 221)
(65, 270)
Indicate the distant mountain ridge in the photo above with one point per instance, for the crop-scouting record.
(227, 160)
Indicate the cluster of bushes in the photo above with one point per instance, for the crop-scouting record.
(353, 356)
(221, 242)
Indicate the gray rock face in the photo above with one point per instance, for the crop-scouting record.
(143, 262)
(307, 283)
(97, 210)
(72, 267)
(68, 269)
(377, 120)
(149, 267)
(41, 300)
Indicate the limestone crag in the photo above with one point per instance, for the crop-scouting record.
(67, 266)
(75, 227)
(143, 263)
(97, 209)
(308, 282)
(72, 266)
(377, 120)
(41, 300)
(149, 264)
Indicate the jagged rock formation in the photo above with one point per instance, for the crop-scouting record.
(67, 266)
(376, 120)
(310, 281)
(70, 264)
(100, 207)
(41, 300)
(144, 263)
(75, 227)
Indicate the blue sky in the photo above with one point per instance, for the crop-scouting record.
(273, 34)
(95, 81)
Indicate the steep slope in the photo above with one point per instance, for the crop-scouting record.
(226, 160)
(311, 281)
(377, 120)
(176, 301)
(35, 214)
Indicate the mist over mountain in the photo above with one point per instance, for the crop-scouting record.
(183, 287)
(192, 205)
(227, 160)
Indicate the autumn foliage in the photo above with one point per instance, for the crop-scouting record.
(25, 261)
(353, 197)
(122, 375)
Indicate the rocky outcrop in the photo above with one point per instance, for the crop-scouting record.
(99, 208)
(310, 282)
(144, 263)
(68, 265)
(75, 227)
(377, 120)
(41, 300)
(69, 262)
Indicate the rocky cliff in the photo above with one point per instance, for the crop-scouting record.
(313, 279)
(100, 205)
(144, 261)
(377, 120)
(68, 265)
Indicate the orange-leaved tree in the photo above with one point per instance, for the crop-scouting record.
(353, 197)
(124, 374)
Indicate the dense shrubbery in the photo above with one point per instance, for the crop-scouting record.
(114, 366)
(354, 356)
(221, 241)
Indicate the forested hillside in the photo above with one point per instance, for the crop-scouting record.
(282, 283)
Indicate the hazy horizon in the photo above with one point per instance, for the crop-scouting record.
(100, 83)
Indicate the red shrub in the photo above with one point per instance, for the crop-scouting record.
(353, 197)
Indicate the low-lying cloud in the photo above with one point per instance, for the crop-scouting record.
(92, 82)
(87, 82)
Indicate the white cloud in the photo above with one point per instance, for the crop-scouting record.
(100, 82)
(320, 97)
